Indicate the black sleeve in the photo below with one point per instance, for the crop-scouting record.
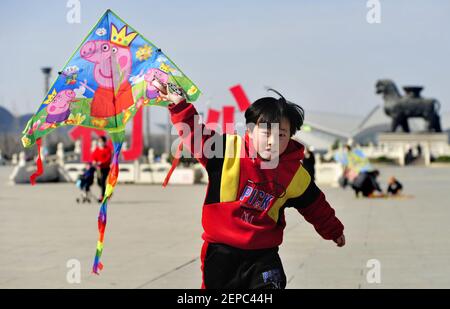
(214, 169)
(215, 163)
(308, 197)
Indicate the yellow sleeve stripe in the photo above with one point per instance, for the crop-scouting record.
(297, 187)
(229, 183)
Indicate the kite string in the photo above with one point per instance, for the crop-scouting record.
(102, 216)
(175, 161)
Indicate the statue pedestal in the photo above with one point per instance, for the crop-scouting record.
(435, 144)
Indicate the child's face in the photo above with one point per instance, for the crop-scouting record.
(270, 143)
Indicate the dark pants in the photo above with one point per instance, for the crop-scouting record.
(226, 267)
(101, 179)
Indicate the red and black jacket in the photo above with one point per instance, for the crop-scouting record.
(244, 203)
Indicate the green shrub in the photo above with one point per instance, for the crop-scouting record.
(443, 159)
(382, 159)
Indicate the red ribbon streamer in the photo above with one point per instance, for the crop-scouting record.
(175, 161)
(40, 168)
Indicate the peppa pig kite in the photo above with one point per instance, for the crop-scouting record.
(102, 86)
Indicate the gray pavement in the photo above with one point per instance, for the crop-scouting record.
(153, 237)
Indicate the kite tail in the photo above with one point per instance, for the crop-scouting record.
(102, 216)
(175, 161)
(40, 168)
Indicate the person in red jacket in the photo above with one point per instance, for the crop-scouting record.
(252, 179)
(101, 158)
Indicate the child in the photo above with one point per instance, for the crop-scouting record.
(85, 182)
(394, 187)
(252, 179)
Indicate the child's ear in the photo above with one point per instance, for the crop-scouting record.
(249, 132)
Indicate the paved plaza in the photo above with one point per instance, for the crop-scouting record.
(153, 237)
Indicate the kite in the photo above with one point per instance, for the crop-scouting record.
(354, 162)
(102, 86)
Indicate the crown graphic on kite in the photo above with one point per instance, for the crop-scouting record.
(102, 86)
(121, 37)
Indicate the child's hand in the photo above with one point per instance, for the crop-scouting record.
(167, 95)
(340, 241)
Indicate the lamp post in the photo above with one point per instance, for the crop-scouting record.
(46, 71)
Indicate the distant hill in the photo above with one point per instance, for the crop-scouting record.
(22, 121)
(11, 124)
(7, 121)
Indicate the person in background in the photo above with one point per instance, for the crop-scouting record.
(409, 156)
(309, 162)
(101, 158)
(394, 186)
(366, 183)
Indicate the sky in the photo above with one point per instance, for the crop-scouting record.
(322, 55)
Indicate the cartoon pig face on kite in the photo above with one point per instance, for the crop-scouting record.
(58, 109)
(151, 75)
(113, 65)
(104, 54)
